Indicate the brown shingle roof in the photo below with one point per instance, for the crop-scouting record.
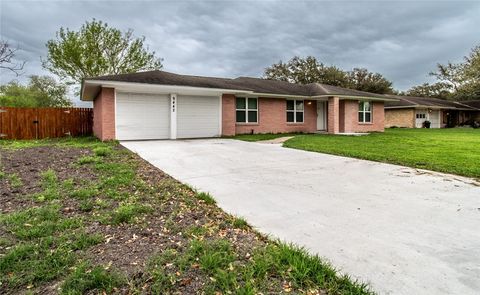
(242, 83)
(412, 101)
(472, 103)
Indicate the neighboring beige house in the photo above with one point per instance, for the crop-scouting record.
(412, 112)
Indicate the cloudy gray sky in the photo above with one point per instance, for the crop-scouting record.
(403, 40)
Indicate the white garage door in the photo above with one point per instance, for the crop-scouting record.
(198, 116)
(142, 116)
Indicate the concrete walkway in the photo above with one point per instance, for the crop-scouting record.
(401, 230)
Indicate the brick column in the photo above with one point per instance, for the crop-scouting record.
(104, 114)
(333, 125)
(228, 115)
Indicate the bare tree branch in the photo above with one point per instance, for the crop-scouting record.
(7, 54)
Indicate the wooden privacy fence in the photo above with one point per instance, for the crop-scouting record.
(38, 123)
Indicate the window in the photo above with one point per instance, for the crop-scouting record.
(247, 110)
(421, 116)
(295, 111)
(364, 112)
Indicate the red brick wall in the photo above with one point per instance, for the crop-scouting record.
(228, 114)
(351, 123)
(272, 118)
(333, 121)
(104, 114)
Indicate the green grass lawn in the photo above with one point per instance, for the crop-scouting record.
(454, 151)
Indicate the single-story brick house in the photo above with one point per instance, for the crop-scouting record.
(412, 112)
(162, 105)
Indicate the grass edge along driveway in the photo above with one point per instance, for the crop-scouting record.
(48, 240)
(455, 151)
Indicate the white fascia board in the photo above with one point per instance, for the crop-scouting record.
(402, 107)
(444, 108)
(259, 94)
(371, 98)
(162, 89)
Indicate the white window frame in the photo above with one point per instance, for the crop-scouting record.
(364, 112)
(295, 111)
(246, 109)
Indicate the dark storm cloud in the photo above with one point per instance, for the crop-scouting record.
(402, 40)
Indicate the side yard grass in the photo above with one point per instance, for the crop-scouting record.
(81, 216)
(455, 151)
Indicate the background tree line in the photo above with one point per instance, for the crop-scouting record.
(97, 49)
(455, 81)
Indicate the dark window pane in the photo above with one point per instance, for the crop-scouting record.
(299, 117)
(290, 105)
(360, 117)
(252, 103)
(241, 103)
(252, 116)
(241, 116)
(367, 117)
(299, 105)
(290, 116)
(360, 106)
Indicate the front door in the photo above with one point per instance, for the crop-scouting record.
(321, 115)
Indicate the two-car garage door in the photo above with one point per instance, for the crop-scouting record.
(147, 116)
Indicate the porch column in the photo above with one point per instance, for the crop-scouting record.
(333, 125)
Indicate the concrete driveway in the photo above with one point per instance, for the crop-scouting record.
(401, 230)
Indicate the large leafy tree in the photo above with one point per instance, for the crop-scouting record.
(438, 90)
(304, 71)
(41, 91)
(362, 79)
(97, 49)
(456, 81)
(310, 70)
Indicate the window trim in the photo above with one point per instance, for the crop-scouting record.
(364, 112)
(295, 111)
(246, 109)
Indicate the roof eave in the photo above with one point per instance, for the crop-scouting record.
(342, 96)
(151, 88)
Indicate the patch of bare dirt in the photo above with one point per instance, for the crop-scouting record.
(28, 165)
(126, 247)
